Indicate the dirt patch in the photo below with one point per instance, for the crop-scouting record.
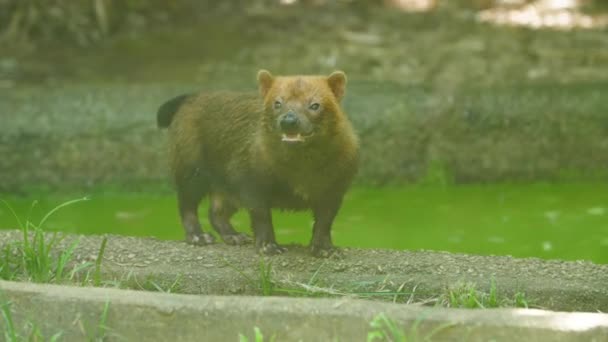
(406, 276)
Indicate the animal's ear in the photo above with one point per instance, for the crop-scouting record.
(337, 83)
(265, 80)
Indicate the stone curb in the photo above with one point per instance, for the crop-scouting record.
(147, 316)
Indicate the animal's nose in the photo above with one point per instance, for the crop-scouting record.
(289, 121)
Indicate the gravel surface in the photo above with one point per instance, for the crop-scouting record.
(421, 275)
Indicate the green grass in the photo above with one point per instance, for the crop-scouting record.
(266, 285)
(460, 295)
(257, 337)
(9, 331)
(102, 328)
(263, 280)
(34, 257)
(385, 329)
(32, 332)
(520, 300)
(469, 297)
(155, 285)
(98, 261)
(381, 329)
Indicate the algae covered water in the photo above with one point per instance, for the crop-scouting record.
(553, 221)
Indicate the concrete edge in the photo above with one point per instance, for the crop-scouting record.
(136, 315)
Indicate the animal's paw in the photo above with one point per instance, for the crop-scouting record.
(270, 248)
(200, 239)
(322, 251)
(236, 239)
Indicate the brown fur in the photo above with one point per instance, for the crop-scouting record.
(228, 145)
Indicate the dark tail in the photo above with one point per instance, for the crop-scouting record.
(167, 110)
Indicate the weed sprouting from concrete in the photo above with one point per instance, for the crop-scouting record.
(32, 257)
(98, 331)
(32, 332)
(258, 336)
(9, 326)
(10, 332)
(385, 329)
(36, 335)
(102, 327)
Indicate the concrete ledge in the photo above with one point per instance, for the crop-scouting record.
(518, 129)
(148, 316)
(419, 275)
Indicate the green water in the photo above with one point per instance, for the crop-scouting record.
(553, 221)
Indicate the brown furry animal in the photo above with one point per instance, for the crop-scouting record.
(291, 148)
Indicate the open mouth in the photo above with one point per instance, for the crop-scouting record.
(294, 137)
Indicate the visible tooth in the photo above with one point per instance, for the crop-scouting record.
(296, 137)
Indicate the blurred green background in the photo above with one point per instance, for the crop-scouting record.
(483, 124)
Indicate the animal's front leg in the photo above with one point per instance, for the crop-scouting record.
(324, 214)
(261, 222)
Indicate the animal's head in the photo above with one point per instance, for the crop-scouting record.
(300, 109)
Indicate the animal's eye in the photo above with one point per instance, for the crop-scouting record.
(277, 104)
(314, 106)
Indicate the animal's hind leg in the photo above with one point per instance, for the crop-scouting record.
(189, 198)
(220, 212)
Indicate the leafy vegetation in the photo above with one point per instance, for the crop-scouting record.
(462, 295)
(33, 257)
(257, 337)
(384, 329)
(468, 296)
(32, 333)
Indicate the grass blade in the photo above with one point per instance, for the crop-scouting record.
(64, 258)
(248, 278)
(9, 332)
(102, 326)
(13, 213)
(65, 204)
(97, 273)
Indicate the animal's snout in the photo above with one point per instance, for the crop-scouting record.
(289, 122)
